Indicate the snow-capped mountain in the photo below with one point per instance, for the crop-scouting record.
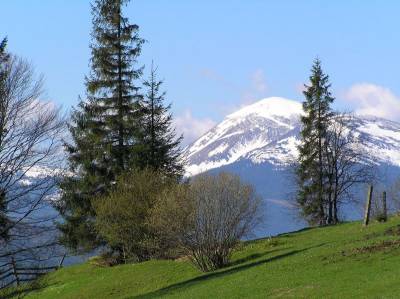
(258, 142)
(268, 132)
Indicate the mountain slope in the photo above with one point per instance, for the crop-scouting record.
(343, 261)
(258, 142)
(268, 132)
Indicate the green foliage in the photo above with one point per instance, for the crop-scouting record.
(172, 218)
(160, 149)
(3, 53)
(122, 217)
(105, 126)
(342, 261)
(310, 171)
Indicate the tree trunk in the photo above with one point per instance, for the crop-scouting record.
(384, 208)
(330, 209)
(120, 102)
(335, 210)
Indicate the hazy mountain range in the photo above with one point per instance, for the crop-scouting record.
(258, 142)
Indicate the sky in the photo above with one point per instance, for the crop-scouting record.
(217, 56)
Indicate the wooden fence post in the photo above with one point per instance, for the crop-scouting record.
(62, 261)
(368, 206)
(384, 206)
(14, 266)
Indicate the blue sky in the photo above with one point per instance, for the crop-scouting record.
(216, 56)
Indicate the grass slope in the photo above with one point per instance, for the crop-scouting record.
(343, 261)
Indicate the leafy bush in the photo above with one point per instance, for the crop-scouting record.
(172, 218)
(122, 216)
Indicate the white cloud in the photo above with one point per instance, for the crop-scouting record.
(191, 127)
(371, 99)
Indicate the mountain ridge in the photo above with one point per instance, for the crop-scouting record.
(268, 132)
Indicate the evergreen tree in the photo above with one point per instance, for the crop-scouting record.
(105, 127)
(3, 55)
(315, 124)
(161, 151)
(4, 58)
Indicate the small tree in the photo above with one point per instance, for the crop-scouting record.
(208, 217)
(161, 148)
(311, 176)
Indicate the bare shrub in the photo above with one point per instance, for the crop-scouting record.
(207, 218)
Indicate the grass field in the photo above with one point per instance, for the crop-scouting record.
(343, 261)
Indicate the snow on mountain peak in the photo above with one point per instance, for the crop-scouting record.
(270, 107)
(247, 130)
(268, 131)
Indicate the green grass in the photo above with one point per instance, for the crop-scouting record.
(343, 261)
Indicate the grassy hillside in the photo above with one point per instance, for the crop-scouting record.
(343, 261)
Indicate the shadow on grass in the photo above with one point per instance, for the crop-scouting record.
(221, 273)
(253, 257)
(293, 233)
(22, 291)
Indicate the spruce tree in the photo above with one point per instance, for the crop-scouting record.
(105, 127)
(161, 147)
(3, 54)
(311, 174)
(4, 58)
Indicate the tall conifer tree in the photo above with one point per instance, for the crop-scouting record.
(105, 127)
(315, 122)
(4, 58)
(161, 147)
